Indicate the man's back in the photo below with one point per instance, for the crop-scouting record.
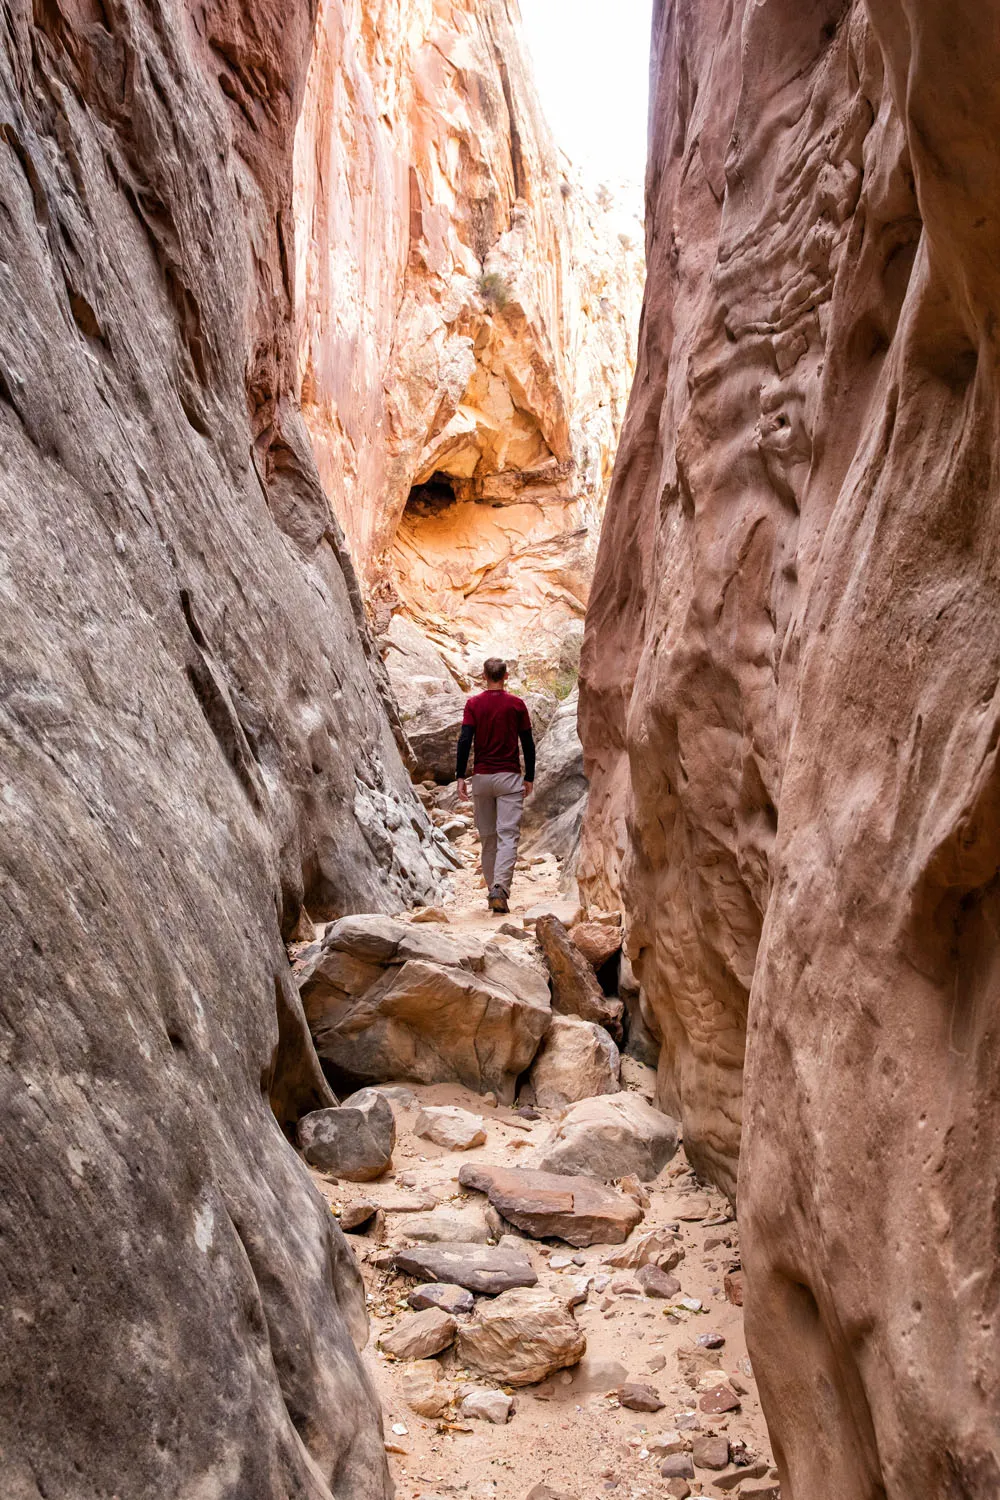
(498, 718)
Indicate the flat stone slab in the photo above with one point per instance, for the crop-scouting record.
(491, 1269)
(579, 1210)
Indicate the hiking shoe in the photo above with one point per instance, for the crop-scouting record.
(498, 901)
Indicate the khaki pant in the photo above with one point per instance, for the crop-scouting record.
(497, 799)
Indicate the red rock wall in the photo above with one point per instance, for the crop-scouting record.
(790, 708)
(191, 740)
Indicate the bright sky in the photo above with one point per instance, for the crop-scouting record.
(591, 62)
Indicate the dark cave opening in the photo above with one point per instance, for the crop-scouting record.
(431, 498)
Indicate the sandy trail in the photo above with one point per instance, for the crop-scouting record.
(578, 1443)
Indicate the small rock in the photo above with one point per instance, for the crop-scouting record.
(353, 1215)
(759, 1491)
(678, 1489)
(543, 1492)
(630, 1184)
(490, 1099)
(690, 1304)
(656, 1283)
(638, 1397)
(430, 914)
(560, 1262)
(448, 1226)
(677, 1466)
(479, 1268)
(448, 1297)
(420, 1334)
(527, 1113)
(739, 1476)
(423, 1390)
(399, 1429)
(658, 1362)
(510, 930)
(353, 1141)
(446, 1125)
(488, 1406)
(692, 1209)
(521, 1337)
(720, 1399)
(656, 1247)
(733, 1286)
(710, 1453)
(711, 1340)
(664, 1443)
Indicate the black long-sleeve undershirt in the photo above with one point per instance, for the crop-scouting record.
(465, 738)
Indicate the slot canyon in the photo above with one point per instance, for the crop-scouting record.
(326, 373)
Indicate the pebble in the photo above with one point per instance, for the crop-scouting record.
(637, 1397)
(711, 1340)
(677, 1466)
(657, 1283)
(710, 1453)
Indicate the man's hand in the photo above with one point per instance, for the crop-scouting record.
(527, 788)
(463, 789)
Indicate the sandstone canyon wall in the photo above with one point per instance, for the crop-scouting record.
(192, 741)
(789, 704)
(467, 324)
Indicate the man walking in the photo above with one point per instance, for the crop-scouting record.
(495, 721)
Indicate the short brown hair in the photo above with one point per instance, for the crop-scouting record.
(494, 669)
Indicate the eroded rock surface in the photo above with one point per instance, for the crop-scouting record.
(789, 706)
(193, 743)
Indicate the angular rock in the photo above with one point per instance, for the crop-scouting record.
(668, 1442)
(638, 1397)
(423, 1388)
(355, 1215)
(576, 1060)
(732, 1284)
(721, 1398)
(677, 1466)
(445, 1295)
(479, 1268)
(710, 1452)
(544, 1492)
(354, 1141)
(385, 999)
(656, 1283)
(447, 1125)
(447, 1226)
(575, 990)
(596, 941)
(678, 1489)
(420, 1335)
(487, 1406)
(578, 1210)
(430, 914)
(609, 1137)
(521, 1337)
(658, 1247)
(691, 1210)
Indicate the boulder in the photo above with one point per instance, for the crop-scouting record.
(576, 1060)
(431, 703)
(420, 1335)
(597, 941)
(448, 1226)
(609, 1137)
(447, 1125)
(575, 990)
(521, 1337)
(387, 1000)
(658, 1247)
(354, 1141)
(450, 1298)
(479, 1268)
(423, 1388)
(487, 1406)
(578, 1210)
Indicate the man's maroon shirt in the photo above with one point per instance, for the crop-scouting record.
(497, 719)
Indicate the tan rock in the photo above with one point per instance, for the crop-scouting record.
(423, 1387)
(596, 941)
(658, 1247)
(575, 1061)
(456, 1225)
(420, 1335)
(447, 1125)
(430, 914)
(575, 990)
(521, 1337)
(609, 1137)
(578, 1210)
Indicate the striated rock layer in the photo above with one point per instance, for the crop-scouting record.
(466, 326)
(790, 710)
(192, 741)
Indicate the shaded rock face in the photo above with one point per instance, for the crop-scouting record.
(789, 705)
(192, 741)
(465, 399)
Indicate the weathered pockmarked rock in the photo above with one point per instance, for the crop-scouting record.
(577, 1060)
(610, 1137)
(354, 1141)
(789, 707)
(578, 1210)
(479, 1268)
(575, 990)
(385, 999)
(521, 1337)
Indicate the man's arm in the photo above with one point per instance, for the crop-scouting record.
(528, 751)
(465, 738)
